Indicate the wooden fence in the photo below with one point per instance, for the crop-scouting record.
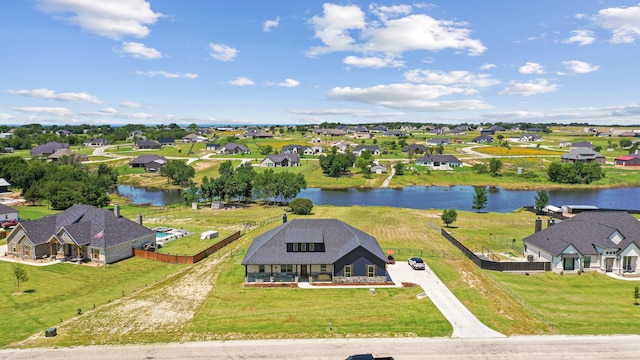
(187, 259)
(496, 265)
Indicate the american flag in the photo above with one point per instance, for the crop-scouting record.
(99, 235)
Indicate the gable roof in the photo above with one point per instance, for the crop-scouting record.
(586, 230)
(147, 143)
(439, 158)
(581, 153)
(48, 148)
(82, 223)
(4, 209)
(145, 159)
(338, 237)
(279, 158)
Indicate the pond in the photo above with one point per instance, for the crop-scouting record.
(425, 197)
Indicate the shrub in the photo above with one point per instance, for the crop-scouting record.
(301, 206)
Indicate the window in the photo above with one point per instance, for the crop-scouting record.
(295, 247)
(371, 270)
(323, 267)
(286, 268)
(95, 253)
(347, 270)
(303, 247)
(587, 262)
(311, 247)
(261, 268)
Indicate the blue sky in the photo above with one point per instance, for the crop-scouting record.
(300, 62)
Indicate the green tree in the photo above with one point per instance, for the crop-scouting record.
(399, 168)
(480, 168)
(480, 199)
(494, 166)
(636, 295)
(244, 181)
(19, 274)
(364, 164)
(263, 185)
(449, 216)
(266, 150)
(541, 200)
(625, 143)
(301, 206)
(288, 185)
(178, 172)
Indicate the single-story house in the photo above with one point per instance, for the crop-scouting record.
(314, 150)
(63, 132)
(80, 233)
(394, 133)
(4, 185)
(96, 142)
(147, 144)
(628, 160)
(487, 132)
(150, 163)
(281, 160)
(415, 148)
(482, 139)
(167, 141)
(439, 162)
(48, 148)
(378, 169)
(8, 213)
(582, 154)
(195, 138)
(438, 141)
(294, 149)
(67, 152)
(582, 144)
(529, 138)
(373, 149)
(315, 250)
(379, 129)
(361, 135)
(498, 128)
(565, 144)
(212, 147)
(233, 148)
(608, 241)
(257, 134)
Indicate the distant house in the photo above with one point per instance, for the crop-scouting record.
(582, 144)
(195, 138)
(378, 169)
(136, 135)
(329, 132)
(294, 149)
(438, 141)
(212, 147)
(439, 162)
(167, 141)
(150, 163)
(436, 131)
(314, 150)
(80, 233)
(565, 144)
(56, 156)
(498, 128)
(530, 137)
(7, 212)
(482, 139)
(318, 250)
(8, 150)
(257, 134)
(487, 132)
(63, 132)
(582, 155)
(281, 160)
(416, 148)
(628, 160)
(147, 144)
(4, 185)
(233, 148)
(96, 142)
(394, 133)
(48, 148)
(594, 240)
(373, 149)
(459, 130)
(379, 129)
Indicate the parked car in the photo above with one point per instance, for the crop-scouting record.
(9, 223)
(417, 263)
(368, 357)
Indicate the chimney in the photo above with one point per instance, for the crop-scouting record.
(116, 210)
(284, 218)
(538, 224)
(140, 218)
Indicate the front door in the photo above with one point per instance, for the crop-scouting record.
(569, 264)
(608, 264)
(303, 271)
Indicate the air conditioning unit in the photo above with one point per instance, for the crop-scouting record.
(51, 332)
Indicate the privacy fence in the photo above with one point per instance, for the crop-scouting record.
(496, 265)
(187, 259)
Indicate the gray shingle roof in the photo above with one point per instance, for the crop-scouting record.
(439, 158)
(83, 223)
(145, 159)
(339, 239)
(581, 153)
(587, 229)
(4, 209)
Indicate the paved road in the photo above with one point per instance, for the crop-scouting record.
(513, 348)
(465, 324)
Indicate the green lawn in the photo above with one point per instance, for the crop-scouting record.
(55, 293)
(192, 244)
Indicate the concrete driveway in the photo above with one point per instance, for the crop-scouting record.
(465, 324)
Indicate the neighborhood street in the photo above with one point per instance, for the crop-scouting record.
(619, 347)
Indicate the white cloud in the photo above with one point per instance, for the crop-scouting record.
(51, 95)
(581, 37)
(454, 78)
(222, 52)
(487, 66)
(385, 12)
(580, 67)
(289, 83)
(538, 86)
(531, 68)
(167, 75)
(270, 24)
(5, 117)
(241, 81)
(109, 18)
(623, 22)
(347, 112)
(55, 111)
(139, 51)
(130, 104)
(373, 62)
(333, 27)
(410, 97)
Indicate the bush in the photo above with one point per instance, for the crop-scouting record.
(301, 206)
